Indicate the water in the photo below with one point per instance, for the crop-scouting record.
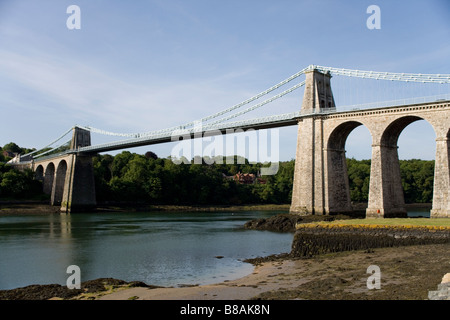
(159, 248)
(418, 213)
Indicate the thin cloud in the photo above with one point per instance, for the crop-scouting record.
(90, 95)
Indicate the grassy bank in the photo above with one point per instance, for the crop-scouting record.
(35, 207)
(438, 222)
(193, 208)
(42, 206)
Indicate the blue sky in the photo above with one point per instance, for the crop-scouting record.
(137, 66)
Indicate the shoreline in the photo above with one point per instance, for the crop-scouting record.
(11, 207)
(43, 208)
(192, 208)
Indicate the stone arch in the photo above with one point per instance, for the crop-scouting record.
(336, 180)
(39, 173)
(60, 179)
(49, 176)
(392, 132)
(339, 135)
(386, 197)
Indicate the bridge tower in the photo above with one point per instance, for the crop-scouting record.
(321, 183)
(320, 176)
(79, 186)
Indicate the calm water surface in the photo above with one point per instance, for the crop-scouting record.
(160, 248)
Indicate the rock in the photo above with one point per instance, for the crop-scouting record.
(49, 291)
(39, 292)
(286, 222)
(282, 222)
(443, 290)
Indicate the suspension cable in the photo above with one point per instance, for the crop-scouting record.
(406, 77)
(51, 150)
(30, 153)
(260, 104)
(215, 115)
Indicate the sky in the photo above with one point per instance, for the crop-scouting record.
(139, 66)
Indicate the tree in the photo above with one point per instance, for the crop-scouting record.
(18, 184)
(150, 154)
(359, 179)
(417, 180)
(119, 162)
(102, 174)
(132, 177)
(12, 147)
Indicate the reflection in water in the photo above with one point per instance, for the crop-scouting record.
(157, 248)
(60, 226)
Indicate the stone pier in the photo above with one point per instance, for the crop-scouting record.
(69, 178)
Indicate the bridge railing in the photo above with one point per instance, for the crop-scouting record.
(397, 102)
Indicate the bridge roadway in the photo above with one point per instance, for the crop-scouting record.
(193, 133)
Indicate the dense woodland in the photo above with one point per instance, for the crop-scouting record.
(131, 177)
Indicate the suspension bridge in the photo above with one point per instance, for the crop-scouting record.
(320, 179)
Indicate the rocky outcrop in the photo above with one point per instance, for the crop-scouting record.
(49, 291)
(443, 290)
(286, 222)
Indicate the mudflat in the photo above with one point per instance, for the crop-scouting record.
(407, 273)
